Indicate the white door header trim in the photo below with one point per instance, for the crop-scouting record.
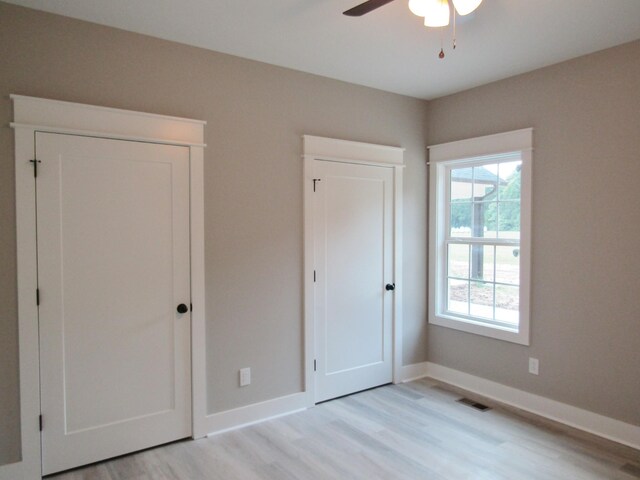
(66, 117)
(324, 148)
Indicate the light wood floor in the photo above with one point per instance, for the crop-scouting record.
(411, 431)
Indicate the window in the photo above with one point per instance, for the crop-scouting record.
(480, 235)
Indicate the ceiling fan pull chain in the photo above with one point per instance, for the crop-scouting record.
(441, 54)
(454, 28)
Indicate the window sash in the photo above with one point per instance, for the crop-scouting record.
(446, 276)
(474, 240)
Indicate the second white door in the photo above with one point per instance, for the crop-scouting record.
(353, 289)
(113, 266)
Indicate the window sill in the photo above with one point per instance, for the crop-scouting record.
(479, 328)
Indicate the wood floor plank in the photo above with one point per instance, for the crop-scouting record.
(413, 431)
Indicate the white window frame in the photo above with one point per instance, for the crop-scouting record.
(442, 157)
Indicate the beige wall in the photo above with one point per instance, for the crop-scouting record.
(256, 116)
(586, 230)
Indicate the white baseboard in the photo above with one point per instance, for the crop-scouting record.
(575, 417)
(256, 413)
(415, 371)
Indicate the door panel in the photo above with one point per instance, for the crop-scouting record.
(353, 221)
(113, 264)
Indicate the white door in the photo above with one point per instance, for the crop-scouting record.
(353, 249)
(113, 265)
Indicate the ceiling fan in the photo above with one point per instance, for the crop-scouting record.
(418, 7)
(436, 13)
(366, 7)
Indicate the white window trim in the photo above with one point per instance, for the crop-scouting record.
(445, 154)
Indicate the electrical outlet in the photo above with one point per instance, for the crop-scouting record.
(534, 365)
(245, 377)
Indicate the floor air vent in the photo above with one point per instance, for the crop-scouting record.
(470, 403)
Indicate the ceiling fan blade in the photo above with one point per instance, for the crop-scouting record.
(365, 7)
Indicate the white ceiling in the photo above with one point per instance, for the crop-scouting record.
(388, 49)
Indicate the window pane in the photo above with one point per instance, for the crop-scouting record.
(482, 258)
(485, 183)
(509, 173)
(508, 265)
(458, 261)
(484, 220)
(509, 219)
(461, 184)
(507, 304)
(460, 221)
(509, 199)
(461, 198)
(481, 300)
(458, 297)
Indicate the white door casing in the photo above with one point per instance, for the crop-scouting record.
(113, 264)
(355, 175)
(33, 115)
(353, 222)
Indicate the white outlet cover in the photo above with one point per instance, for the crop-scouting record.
(245, 377)
(534, 366)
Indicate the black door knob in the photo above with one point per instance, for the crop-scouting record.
(390, 286)
(182, 308)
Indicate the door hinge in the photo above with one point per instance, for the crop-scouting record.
(315, 365)
(314, 183)
(35, 167)
(40, 422)
(314, 276)
(37, 296)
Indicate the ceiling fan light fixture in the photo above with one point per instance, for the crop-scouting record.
(437, 14)
(419, 7)
(464, 7)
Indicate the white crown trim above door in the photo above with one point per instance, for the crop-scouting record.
(319, 151)
(33, 115)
